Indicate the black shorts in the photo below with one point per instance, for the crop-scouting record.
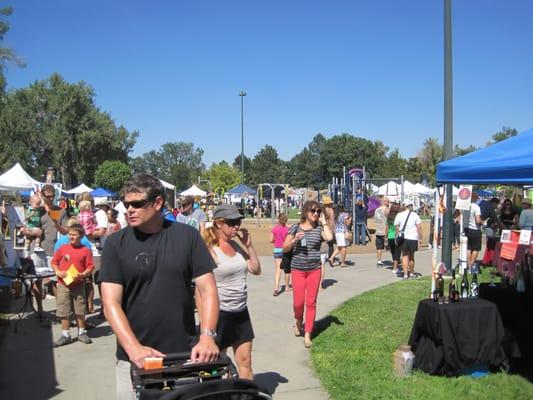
(474, 239)
(234, 328)
(395, 251)
(380, 242)
(409, 246)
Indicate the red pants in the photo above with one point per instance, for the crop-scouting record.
(305, 286)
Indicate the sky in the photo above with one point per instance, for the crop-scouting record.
(173, 70)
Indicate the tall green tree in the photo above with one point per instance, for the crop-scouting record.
(266, 166)
(247, 167)
(112, 175)
(177, 162)
(222, 177)
(431, 154)
(53, 123)
(7, 55)
(303, 169)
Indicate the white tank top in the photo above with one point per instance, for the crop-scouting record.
(230, 276)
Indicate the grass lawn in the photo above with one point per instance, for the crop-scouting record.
(353, 359)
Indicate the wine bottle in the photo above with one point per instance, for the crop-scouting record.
(464, 285)
(452, 288)
(440, 287)
(474, 287)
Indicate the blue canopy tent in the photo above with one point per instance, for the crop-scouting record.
(101, 192)
(240, 189)
(484, 193)
(507, 162)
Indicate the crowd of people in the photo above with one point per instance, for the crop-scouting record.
(155, 267)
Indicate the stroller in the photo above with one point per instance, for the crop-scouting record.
(182, 380)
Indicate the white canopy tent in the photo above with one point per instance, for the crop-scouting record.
(17, 178)
(80, 189)
(421, 189)
(193, 191)
(167, 185)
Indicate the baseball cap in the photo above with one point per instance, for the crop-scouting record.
(408, 202)
(227, 211)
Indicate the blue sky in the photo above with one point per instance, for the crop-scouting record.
(173, 69)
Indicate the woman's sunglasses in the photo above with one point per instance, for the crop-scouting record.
(232, 222)
(315, 211)
(136, 203)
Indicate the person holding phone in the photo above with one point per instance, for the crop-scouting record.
(234, 327)
(304, 241)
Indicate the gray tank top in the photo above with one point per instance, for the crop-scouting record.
(230, 276)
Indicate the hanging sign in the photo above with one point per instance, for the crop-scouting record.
(525, 237)
(463, 198)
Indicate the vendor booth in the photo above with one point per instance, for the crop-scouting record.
(447, 338)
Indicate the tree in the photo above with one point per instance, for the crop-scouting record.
(176, 162)
(266, 167)
(247, 166)
(7, 55)
(303, 169)
(431, 154)
(394, 167)
(112, 175)
(53, 123)
(460, 151)
(505, 133)
(222, 176)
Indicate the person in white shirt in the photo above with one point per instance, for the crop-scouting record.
(473, 232)
(409, 222)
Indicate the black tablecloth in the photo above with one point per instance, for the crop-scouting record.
(516, 311)
(447, 338)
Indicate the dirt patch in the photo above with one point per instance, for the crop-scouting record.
(260, 232)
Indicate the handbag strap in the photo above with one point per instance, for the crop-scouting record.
(405, 223)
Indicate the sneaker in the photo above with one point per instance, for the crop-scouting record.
(380, 264)
(38, 249)
(84, 338)
(63, 340)
(429, 246)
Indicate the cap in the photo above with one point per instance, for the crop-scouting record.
(526, 201)
(101, 201)
(326, 200)
(408, 202)
(227, 211)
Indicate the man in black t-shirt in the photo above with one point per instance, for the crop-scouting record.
(147, 271)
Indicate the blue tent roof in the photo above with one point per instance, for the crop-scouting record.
(484, 193)
(506, 162)
(101, 192)
(240, 189)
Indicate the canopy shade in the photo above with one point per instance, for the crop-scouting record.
(17, 178)
(79, 189)
(101, 192)
(240, 189)
(193, 191)
(506, 162)
(167, 185)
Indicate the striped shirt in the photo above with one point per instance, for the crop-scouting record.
(306, 257)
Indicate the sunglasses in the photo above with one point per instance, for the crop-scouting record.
(136, 203)
(232, 222)
(49, 196)
(315, 211)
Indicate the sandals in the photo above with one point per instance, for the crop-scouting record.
(297, 330)
(276, 293)
(343, 265)
(307, 342)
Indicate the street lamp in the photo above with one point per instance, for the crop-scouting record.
(242, 93)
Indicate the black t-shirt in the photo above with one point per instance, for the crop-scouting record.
(156, 271)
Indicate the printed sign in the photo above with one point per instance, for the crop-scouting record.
(525, 237)
(506, 236)
(463, 198)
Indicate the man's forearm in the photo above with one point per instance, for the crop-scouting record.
(209, 312)
(120, 325)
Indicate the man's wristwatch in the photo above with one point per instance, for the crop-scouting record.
(209, 332)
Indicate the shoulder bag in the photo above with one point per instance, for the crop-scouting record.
(400, 238)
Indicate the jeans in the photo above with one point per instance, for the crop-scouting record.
(360, 233)
(305, 286)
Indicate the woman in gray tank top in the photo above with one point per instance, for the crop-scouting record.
(234, 328)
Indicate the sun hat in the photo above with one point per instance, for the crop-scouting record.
(326, 200)
(227, 211)
(101, 201)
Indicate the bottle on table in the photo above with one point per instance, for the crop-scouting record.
(452, 288)
(474, 287)
(464, 285)
(440, 288)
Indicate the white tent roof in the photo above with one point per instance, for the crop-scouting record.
(193, 191)
(167, 185)
(423, 189)
(80, 189)
(17, 179)
(390, 188)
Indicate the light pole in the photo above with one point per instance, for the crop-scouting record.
(242, 93)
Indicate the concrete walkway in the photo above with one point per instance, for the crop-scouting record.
(32, 369)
